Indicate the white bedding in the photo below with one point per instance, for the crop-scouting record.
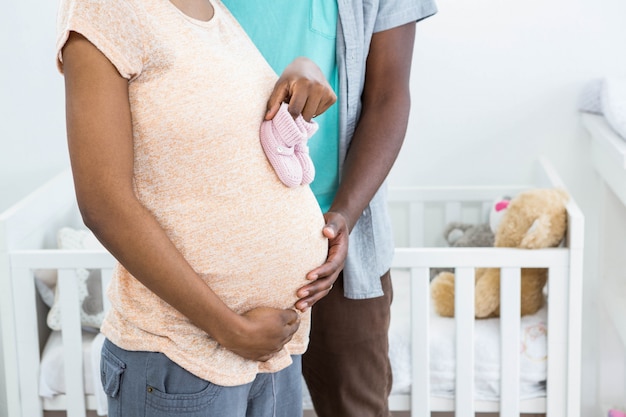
(52, 378)
(487, 358)
(533, 350)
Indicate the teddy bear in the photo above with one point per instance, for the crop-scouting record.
(461, 235)
(534, 219)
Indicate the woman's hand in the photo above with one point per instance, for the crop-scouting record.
(304, 87)
(261, 333)
(323, 277)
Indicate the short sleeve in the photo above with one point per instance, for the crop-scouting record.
(111, 25)
(394, 13)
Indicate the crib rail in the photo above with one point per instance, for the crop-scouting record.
(413, 209)
(511, 261)
(416, 260)
(23, 264)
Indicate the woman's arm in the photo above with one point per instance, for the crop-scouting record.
(101, 151)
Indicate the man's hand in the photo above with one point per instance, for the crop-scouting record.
(323, 277)
(303, 85)
(262, 333)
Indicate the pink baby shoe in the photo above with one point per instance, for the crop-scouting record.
(301, 150)
(284, 141)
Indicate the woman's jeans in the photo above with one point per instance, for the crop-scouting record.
(148, 384)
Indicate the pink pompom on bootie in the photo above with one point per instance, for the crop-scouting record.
(284, 142)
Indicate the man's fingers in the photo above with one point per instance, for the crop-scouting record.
(279, 95)
(311, 109)
(315, 296)
(297, 103)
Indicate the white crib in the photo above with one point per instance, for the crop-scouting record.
(419, 215)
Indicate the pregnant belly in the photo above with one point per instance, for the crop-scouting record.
(251, 238)
(258, 254)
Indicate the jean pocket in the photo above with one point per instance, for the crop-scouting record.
(172, 389)
(324, 18)
(160, 403)
(111, 370)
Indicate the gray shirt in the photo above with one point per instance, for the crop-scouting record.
(371, 241)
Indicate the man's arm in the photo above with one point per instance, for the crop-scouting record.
(382, 126)
(374, 148)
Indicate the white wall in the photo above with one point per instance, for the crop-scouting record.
(32, 132)
(494, 84)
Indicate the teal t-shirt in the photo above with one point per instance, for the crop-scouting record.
(283, 30)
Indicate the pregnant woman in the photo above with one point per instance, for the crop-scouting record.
(164, 104)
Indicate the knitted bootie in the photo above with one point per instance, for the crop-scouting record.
(301, 150)
(278, 138)
(284, 142)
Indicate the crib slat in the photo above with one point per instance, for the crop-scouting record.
(416, 225)
(574, 318)
(464, 320)
(510, 281)
(557, 339)
(486, 208)
(452, 211)
(27, 341)
(420, 348)
(72, 342)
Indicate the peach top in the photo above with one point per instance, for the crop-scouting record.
(198, 92)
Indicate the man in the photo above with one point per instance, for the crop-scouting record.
(365, 50)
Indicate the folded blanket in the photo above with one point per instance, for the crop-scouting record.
(606, 96)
